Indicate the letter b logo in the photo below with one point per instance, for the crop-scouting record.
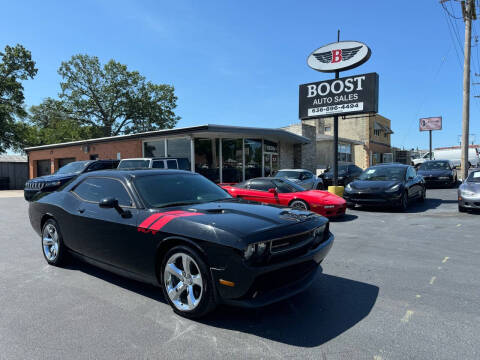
(336, 56)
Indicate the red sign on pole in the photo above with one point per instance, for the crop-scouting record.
(431, 123)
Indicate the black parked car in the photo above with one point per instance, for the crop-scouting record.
(388, 185)
(438, 173)
(64, 174)
(346, 174)
(182, 232)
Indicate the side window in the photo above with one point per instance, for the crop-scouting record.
(411, 173)
(261, 185)
(95, 189)
(172, 164)
(95, 166)
(158, 164)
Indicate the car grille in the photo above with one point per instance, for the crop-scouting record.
(34, 185)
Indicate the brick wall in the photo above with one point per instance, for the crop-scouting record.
(104, 150)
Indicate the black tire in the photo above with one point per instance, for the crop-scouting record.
(207, 301)
(302, 205)
(350, 205)
(461, 209)
(61, 254)
(423, 196)
(403, 202)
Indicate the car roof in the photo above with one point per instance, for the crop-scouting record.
(391, 165)
(297, 170)
(123, 173)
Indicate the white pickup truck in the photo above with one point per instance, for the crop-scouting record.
(454, 155)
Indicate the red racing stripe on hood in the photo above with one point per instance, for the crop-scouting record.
(169, 216)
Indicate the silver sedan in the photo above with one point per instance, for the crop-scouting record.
(302, 177)
(469, 192)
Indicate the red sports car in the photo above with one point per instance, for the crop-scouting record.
(284, 192)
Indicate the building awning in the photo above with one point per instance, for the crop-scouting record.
(323, 137)
(378, 126)
(201, 130)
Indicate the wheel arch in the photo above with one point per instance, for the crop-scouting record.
(44, 219)
(170, 242)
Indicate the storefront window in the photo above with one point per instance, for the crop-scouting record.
(180, 148)
(232, 166)
(207, 158)
(253, 158)
(154, 148)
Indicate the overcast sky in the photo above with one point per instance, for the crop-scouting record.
(240, 62)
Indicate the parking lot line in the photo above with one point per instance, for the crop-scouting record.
(407, 316)
(432, 280)
(445, 259)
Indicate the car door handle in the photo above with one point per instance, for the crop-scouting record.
(81, 211)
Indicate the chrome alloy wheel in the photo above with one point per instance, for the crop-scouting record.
(298, 205)
(50, 242)
(183, 281)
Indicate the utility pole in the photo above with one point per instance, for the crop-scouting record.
(468, 11)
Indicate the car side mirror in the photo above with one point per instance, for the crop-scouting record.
(112, 203)
(108, 203)
(272, 191)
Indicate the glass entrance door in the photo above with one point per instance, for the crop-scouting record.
(270, 163)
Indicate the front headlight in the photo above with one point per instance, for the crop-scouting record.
(52, 183)
(393, 188)
(467, 193)
(255, 249)
(348, 187)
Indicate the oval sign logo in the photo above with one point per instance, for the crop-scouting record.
(342, 55)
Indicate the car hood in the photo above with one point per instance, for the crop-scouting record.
(53, 177)
(434, 172)
(236, 222)
(364, 185)
(471, 186)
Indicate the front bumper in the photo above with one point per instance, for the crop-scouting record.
(469, 203)
(435, 181)
(28, 194)
(374, 199)
(329, 182)
(331, 212)
(263, 285)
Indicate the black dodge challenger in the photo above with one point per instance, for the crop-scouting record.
(178, 230)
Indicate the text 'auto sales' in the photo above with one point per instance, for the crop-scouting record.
(350, 95)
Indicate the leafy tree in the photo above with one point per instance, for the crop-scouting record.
(50, 123)
(16, 65)
(114, 99)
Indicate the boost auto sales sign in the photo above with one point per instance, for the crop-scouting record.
(354, 94)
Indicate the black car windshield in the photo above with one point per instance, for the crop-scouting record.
(383, 173)
(133, 164)
(435, 165)
(75, 167)
(288, 174)
(341, 168)
(474, 177)
(178, 189)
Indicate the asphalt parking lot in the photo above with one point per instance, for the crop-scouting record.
(394, 286)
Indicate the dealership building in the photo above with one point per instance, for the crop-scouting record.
(222, 153)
